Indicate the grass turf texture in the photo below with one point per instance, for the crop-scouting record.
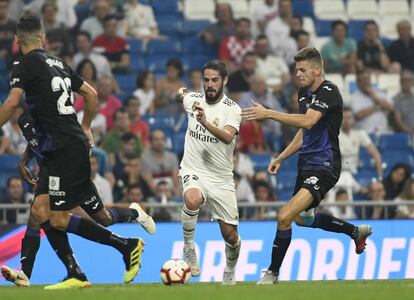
(320, 290)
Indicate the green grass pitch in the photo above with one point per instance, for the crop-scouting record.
(329, 290)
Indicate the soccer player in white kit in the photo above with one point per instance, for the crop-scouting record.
(206, 170)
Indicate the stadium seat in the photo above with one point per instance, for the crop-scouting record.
(302, 8)
(284, 195)
(362, 10)
(286, 179)
(9, 162)
(159, 121)
(388, 26)
(196, 10)
(395, 141)
(309, 25)
(260, 161)
(356, 29)
(127, 82)
(170, 25)
(135, 46)
(323, 27)
(392, 157)
(170, 46)
(291, 163)
(138, 62)
(337, 79)
(320, 41)
(399, 8)
(366, 162)
(329, 9)
(365, 178)
(178, 142)
(157, 62)
(193, 27)
(194, 45)
(165, 7)
(195, 61)
(389, 83)
(275, 142)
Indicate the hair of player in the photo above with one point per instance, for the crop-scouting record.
(216, 65)
(28, 30)
(141, 78)
(310, 54)
(83, 63)
(336, 23)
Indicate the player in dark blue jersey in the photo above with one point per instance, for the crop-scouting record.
(47, 83)
(319, 165)
(37, 144)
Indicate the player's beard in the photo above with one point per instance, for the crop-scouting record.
(216, 97)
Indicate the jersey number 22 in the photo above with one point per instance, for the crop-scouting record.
(64, 85)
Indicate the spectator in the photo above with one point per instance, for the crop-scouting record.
(133, 176)
(402, 50)
(57, 35)
(137, 125)
(164, 194)
(351, 140)
(65, 10)
(370, 106)
(134, 194)
(102, 184)
(244, 194)
(16, 9)
(145, 92)
(376, 193)
(140, 21)
(196, 81)
(15, 195)
(234, 47)
(167, 86)
(17, 142)
(278, 32)
(302, 39)
(252, 137)
(7, 31)
(113, 140)
(260, 94)
(85, 50)
(407, 194)
(160, 164)
(372, 54)
(263, 193)
(342, 212)
(87, 70)
(274, 69)
(395, 181)
(239, 80)
(296, 26)
(114, 47)
(224, 27)
(339, 53)
(108, 103)
(94, 23)
(404, 104)
(263, 13)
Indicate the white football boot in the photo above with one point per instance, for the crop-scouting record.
(144, 219)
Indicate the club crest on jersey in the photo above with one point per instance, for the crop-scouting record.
(216, 122)
(195, 104)
(54, 63)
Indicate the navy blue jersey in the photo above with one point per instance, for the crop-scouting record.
(48, 83)
(320, 147)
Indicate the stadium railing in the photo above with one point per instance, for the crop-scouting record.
(246, 209)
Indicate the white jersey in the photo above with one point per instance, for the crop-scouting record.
(203, 152)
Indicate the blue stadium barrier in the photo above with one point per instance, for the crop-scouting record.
(313, 254)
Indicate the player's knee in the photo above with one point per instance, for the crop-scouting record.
(284, 220)
(39, 213)
(58, 223)
(193, 199)
(232, 237)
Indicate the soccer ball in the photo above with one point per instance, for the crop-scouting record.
(175, 271)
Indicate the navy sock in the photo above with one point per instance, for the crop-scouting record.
(330, 223)
(122, 215)
(280, 245)
(60, 243)
(30, 246)
(96, 233)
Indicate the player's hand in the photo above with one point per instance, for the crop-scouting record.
(256, 112)
(181, 90)
(27, 175)
(89, 135)
(201, 116)
(179, 95)
(274, 166)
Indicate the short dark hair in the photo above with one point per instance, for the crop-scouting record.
(129, 99)
(85, 33)
(119, 110)
(177, 64)
(262, 37)
(110, 17)
(297, 34)
(217, 65)
(310, 54)
(27, 27)
(127, 136)
(243, 19)
(336, 23)
(347, 108)
(370, 22)
(340, 192)
(133, 186)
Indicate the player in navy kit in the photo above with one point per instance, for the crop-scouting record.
(319, 165)
(48, 84)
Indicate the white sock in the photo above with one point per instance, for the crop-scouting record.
(189, 220)
(232, 254)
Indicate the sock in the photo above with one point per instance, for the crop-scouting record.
(232, 254)
(60, 243)
(96, 233)
(330, 223)
(280, 245)
(122, 215)
(189, 220)
(30, 246)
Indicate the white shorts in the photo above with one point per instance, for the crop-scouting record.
(220, 196)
